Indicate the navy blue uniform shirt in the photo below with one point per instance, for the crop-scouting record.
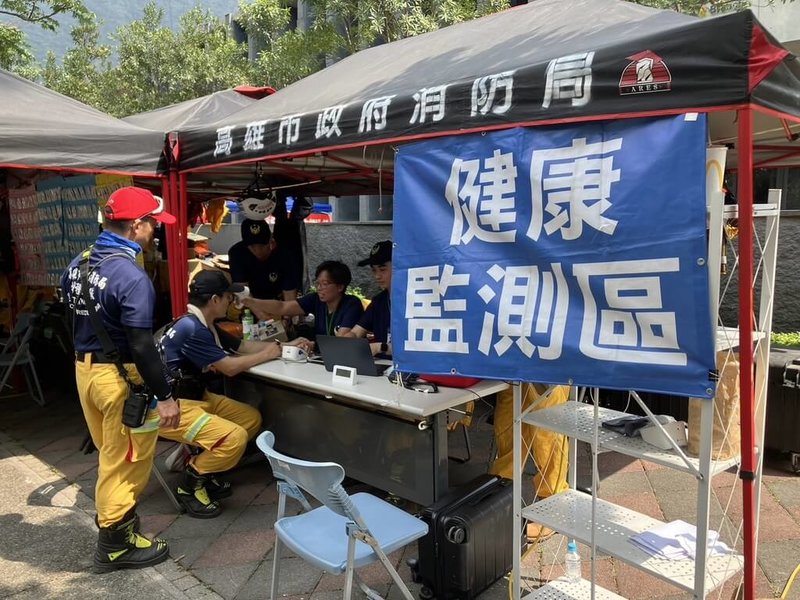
(189, 346)
(377, 318)
(266, 279)
(346, 315)
(122, 288)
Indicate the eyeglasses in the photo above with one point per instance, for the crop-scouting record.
(324, 284)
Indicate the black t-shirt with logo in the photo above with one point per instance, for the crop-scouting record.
(266, 279)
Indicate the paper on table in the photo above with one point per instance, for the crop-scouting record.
(676, 540)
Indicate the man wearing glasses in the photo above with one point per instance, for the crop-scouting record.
(124, 300)
(197, 355)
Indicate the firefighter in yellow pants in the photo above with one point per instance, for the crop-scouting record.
(221, 427)
(113, 340)
(127, 454)
(549, 449)
(195, 352)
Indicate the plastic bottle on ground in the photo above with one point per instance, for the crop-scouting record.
(572, 563)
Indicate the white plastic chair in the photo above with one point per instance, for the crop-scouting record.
(346, 533)
(16, 352)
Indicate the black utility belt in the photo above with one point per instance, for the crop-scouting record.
(99, 357)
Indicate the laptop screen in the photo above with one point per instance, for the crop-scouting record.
(348, 352)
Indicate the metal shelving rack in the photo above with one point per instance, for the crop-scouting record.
(606, 527)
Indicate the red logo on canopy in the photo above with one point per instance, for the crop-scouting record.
(646, 73)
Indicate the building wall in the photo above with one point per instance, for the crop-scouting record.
(782, 19)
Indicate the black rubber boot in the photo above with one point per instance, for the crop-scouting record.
(122, 547)
(194, 496)
(217, 487)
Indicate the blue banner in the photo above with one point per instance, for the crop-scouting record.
(569, 254)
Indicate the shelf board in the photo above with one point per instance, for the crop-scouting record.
(560, 589)
(569, 513)
(728, 337)
(576, 419)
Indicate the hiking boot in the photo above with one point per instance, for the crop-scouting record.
(122, 547)
(194, 496)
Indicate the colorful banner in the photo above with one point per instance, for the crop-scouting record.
(56, 220)
(571, 254)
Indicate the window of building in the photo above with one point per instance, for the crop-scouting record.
(363, 209)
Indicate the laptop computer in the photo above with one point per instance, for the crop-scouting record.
(349, 352)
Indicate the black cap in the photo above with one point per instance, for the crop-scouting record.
(255, 232)
(380, 254)
(213, 283)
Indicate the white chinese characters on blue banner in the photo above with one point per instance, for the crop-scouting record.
(564, 254)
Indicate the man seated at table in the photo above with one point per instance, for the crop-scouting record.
(376, 320)
(335, 312)
(258, 263)
(195, 352)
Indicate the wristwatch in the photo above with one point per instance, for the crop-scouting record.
(384, 347)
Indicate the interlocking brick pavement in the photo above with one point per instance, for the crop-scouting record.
(230, 557)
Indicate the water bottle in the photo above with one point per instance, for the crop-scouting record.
(572, 563)
(247, 324)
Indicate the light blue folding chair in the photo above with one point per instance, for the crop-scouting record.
(16, 353)
(346, 533)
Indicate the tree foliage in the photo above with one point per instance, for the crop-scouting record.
(338, 28)
(155, 66)
(84, 66)
(702, 8)
(15, 52)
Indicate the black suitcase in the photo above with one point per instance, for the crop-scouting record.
(469, 542)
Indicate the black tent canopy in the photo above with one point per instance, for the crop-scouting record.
(546, 62)
(41, 129)
(198, 111)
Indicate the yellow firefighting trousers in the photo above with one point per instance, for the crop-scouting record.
(220, 426)
(549, 449)
(126, 454)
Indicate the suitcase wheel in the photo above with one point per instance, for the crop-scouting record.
(413, 565)
(425, 593)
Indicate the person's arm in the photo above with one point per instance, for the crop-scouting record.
(289, 295)
(351, 314)
(147, 361)
(356, 332)
(151, 369)
(359, 332)
(251, 346)
(233, 365)
(263, 308)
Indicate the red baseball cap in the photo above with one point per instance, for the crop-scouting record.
(130, 203)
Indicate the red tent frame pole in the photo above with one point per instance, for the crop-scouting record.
(169, 204)
(746, 328)
(176, 252)
(181, 291)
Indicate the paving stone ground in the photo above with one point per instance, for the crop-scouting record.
(46, 514)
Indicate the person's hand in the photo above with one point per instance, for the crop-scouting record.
(170, 413)
(239, 297)
(271, 351)
(301, 342)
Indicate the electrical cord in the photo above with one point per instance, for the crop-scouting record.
(785, 593)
